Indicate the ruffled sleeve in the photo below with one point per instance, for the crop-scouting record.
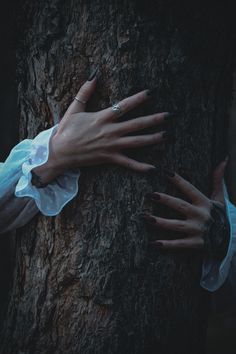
(215, 273)
(19, 199)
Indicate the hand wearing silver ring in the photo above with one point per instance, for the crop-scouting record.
(116, 108)
(95, 138)
(77, 99)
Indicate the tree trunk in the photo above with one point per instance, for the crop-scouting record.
(86, 281)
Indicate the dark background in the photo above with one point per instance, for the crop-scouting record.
(8, 100)
(9, 125)
(221, 327)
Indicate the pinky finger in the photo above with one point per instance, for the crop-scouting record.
(184, 243)
(129, 163)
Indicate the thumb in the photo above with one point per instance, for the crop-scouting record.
(218, 175)
(84, 94)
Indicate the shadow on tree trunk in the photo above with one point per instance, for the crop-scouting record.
(85, 281)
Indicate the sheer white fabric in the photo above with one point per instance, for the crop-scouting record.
(214, 273)
(19, 199)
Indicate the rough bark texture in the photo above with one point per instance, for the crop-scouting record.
(85, 281)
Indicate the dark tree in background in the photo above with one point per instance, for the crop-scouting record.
(86, 281)
(9, 129)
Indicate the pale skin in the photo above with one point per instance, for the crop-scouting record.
(86, 139)
(196, 213)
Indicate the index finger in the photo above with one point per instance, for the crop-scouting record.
(127, 104)
(188, 189)
(191, 243)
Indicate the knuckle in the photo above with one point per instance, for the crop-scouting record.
(94, 120)
(105, 132)
(140, 125)
(108, 133)
(207, 203)
(198, 227)
(83, 90)
(182, 207)
(138, 141)
(156, 118)
(205, 214)
(124, 104)
(105, 157)
(138, 98)
(155, 137)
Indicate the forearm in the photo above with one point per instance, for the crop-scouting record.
(46, 173)
(19, 199)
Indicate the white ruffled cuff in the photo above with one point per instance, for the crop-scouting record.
(51, 199)
(214, 273)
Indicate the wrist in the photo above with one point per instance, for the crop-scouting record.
(217, 234)
(44, 174)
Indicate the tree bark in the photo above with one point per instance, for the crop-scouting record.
(86, 281)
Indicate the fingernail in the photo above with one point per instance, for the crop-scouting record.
(148, 218)
(153, 196)
(157, 244)
(167, 135)
(152, 92)
(156, 196)
(93, 74)
(169, 116)
(168, 173)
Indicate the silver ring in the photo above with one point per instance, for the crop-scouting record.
(77, 99)
(117, 109)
